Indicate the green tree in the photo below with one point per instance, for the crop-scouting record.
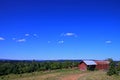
(118, 67)
(112, 70)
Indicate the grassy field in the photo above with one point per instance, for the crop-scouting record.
(98, 75)
(65, 74)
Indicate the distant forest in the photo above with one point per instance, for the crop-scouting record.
(19, 67)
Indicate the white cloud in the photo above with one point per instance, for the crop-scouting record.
(108, 42)
(1, 38)
(61, 42)
(35, 35)
(69, 34)
(21, 40)
(27, 34)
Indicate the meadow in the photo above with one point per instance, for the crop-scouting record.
(61, 74)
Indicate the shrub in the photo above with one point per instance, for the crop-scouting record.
(112, 70)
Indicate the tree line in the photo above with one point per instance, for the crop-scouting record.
(13, 67)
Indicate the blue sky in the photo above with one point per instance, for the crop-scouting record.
(59, 29)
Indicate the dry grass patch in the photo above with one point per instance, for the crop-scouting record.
(40, 77)
(45, 75)
(64, 74)
(98, 75)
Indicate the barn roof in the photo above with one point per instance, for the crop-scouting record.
(102, 62)
(89, 62)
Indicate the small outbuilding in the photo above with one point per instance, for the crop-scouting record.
(85, 65)
(93, 64)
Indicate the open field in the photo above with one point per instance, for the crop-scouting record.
(64, 74)
(98, 75)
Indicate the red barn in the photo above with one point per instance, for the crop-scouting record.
(102, 65)
(91, 65)
(84, 65)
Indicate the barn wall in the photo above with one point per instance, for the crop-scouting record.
(82, 66)
(102, 66)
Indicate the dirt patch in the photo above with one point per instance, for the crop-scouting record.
(73, 76)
